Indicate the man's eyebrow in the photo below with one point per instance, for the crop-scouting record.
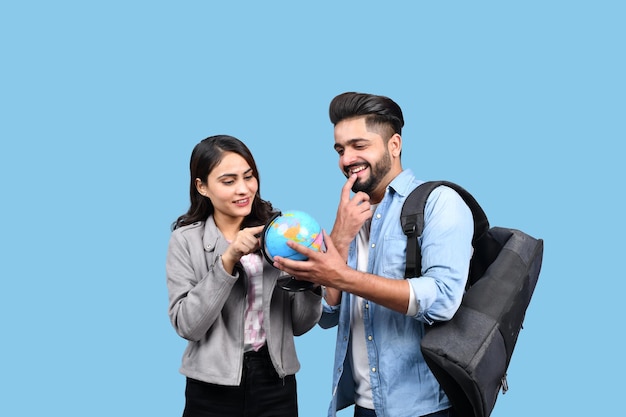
(351, 142)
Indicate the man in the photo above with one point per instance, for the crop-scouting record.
(380, 315)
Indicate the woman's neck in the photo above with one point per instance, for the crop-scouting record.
(229, 226)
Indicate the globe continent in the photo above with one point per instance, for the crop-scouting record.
(296, 226)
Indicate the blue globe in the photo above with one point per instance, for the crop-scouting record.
(296, 226)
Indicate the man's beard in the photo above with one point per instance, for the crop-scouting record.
(377, 173)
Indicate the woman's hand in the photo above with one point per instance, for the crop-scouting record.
(246, 241)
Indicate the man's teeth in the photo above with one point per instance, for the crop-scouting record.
(357, 169)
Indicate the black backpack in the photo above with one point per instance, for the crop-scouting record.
(469, 354)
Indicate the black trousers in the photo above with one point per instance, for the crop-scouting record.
(366, 412)
(262, 393)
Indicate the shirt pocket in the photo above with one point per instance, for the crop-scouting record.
(393, 256)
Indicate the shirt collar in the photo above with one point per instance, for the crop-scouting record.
(403, 183)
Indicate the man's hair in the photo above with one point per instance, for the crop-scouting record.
(379, 111)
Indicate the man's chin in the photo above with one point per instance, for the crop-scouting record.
(360, 186)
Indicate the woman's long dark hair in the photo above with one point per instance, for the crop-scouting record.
(205, 156)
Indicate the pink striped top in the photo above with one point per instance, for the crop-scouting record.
(254, 333)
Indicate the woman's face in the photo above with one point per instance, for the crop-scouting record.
(231, 186)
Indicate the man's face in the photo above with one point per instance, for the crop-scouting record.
(363, 152)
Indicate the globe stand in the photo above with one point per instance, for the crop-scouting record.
(285, 282)
(289, 283)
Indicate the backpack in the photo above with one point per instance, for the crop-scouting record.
(469, 354)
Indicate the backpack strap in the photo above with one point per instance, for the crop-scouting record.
(412, 221)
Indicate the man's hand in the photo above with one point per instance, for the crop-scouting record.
(352, 213)
(322, 268)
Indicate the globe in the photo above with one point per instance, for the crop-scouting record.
(293, 225)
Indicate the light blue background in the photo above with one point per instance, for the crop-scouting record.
(523, 103)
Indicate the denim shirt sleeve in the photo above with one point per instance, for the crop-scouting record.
(446, 252)
(330, 315)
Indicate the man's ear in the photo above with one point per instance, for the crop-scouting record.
(395, 145)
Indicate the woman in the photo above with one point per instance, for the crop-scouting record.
(241, 358)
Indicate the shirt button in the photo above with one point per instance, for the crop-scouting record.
(378, 216)
(369, 338)
(373, 245)
(373, 369)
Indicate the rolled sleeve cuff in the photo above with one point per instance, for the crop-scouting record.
(411, 311)
(424, 291)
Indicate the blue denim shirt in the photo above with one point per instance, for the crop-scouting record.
(402, 384)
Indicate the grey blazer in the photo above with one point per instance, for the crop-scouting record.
(207, 306)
